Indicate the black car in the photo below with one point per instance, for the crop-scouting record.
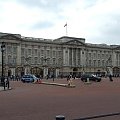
(90, 77)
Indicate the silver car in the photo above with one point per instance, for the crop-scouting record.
(29, 78)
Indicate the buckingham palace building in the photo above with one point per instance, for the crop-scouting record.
(58, 57)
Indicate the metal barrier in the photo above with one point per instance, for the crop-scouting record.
(61, 117)
(98, 116)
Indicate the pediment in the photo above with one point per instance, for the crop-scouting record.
(10, 37)
(75, 42)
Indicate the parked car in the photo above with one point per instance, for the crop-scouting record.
(29, 78)
(91, 77)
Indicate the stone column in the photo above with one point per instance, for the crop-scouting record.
(18, 60)
(12, 71)
(45, 72)
(57, 72)
(72, 57)
(77, 56)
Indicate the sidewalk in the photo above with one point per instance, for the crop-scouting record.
(2, 88)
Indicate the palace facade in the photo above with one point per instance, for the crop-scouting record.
(58, 57)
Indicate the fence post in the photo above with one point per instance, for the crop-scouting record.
(60, 117)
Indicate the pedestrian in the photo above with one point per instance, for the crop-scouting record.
(53, 77)
(3, 81)
(68, 77)
(7, 82)
(47, 76)
(110, 77)
(70, 80)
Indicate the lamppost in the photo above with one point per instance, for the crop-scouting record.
(2, 50)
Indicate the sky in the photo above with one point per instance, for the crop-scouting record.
(95, 20)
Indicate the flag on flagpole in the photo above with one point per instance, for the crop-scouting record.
(65, 25)
(66, 28)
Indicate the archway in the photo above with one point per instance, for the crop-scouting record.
(19, 71)
(38, 72)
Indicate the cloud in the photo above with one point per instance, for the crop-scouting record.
(95, 20)
(42, 25)
(97, 23)
(46, 5)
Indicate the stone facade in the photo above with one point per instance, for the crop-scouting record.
(59, 57)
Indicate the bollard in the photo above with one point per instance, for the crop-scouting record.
(60, 117)
(88, 81)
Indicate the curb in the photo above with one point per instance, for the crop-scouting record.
(57, 84)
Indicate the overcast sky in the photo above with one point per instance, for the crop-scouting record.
(98, 21)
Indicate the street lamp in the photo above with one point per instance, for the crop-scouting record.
(2, 50)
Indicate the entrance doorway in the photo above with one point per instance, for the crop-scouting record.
(9, 73)
(75, 72)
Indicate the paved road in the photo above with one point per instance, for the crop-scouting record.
(28, 101)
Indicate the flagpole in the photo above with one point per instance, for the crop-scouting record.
(66, 28)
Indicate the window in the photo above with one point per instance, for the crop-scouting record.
(42, 52)
(99, 63)
(22, 60)
(29, 61)
(94, 63)
(103, 63)
(90, 55)
(98, 56)
(29, 51)
(14, 50)
(35, 52)
(59, 61)
(14, 61)
(48, 53)
(89, 62)
(36, 60)
(102, 56)
(94, 55)
(53, 61)
(9, 59)
(22, 51)
(53, 53)
(48, 61)
(9, 49)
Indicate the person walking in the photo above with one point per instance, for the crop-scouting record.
(70, 80)
(110, 77)
(68, 77)
(53, 76)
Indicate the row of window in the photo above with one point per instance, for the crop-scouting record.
(98, 56)
(37, 52)
(42, 61)
(98, 63)
(13, 61)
